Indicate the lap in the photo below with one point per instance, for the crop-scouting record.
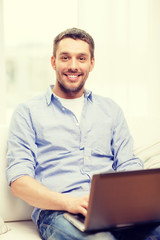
(52, 225)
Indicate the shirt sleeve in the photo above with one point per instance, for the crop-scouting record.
(22, 150)
(122, 147)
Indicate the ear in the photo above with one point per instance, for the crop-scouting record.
(53, 62)
(92, 64)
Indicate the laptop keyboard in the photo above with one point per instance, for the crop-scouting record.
(80, 218)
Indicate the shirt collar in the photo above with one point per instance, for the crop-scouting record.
(88, 94)
(50, 95)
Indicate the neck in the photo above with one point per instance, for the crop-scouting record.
(66, 93)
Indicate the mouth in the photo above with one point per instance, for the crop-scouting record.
(72, 77)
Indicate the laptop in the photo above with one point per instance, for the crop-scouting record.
(120, 199)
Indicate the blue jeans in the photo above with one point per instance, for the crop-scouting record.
(53, 226)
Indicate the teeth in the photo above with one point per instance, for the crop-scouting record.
(72, 76)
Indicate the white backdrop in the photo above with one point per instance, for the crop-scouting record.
(127, 37)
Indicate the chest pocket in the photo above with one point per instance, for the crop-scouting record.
(99, 138)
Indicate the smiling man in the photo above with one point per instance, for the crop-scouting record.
(72, 62)
(57, 141)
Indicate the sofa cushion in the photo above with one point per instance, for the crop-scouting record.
(150, 154)
(3, 227)
(11, 208)
(22, 230)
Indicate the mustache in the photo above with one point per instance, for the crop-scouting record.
(72, 72)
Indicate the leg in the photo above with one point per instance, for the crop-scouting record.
(53, 226)
(150, 231)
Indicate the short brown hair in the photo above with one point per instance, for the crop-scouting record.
(74, 33)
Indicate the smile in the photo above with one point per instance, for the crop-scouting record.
(72, 76)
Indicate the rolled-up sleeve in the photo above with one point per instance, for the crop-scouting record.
(22, 150)
(122, 146)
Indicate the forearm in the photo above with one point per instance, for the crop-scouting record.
(37, 195)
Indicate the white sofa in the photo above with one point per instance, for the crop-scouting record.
(16, 214)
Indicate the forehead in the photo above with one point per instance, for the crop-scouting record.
(71, 46)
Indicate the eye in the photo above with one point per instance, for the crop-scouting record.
(64, 58)
(82, 59)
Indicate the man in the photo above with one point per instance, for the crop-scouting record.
(57, 141)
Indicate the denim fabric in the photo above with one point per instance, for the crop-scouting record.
(53, 226)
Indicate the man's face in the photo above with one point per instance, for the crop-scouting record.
(72, 65)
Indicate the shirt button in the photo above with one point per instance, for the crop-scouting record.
(77, 124)
(63, 109)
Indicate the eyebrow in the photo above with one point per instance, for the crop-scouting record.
(63, 53)
(80, 54)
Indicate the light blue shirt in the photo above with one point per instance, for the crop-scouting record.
(47, 143)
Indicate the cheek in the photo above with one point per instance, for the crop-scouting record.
(61, 67)
(86, 70)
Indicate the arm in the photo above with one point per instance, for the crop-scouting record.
(22, 155)
(122, 146)
(37, 195)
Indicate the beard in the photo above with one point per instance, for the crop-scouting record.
(71, 90)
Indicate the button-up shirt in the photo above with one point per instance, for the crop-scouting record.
(47, 143)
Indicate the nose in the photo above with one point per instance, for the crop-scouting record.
(73, 64)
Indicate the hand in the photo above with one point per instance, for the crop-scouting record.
(77, 205)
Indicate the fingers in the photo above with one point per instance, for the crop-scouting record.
(83, 211)
(77, 204)
(84, 206)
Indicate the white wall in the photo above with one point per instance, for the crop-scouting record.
(127, 37)
(2, 81)
(30, 27)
